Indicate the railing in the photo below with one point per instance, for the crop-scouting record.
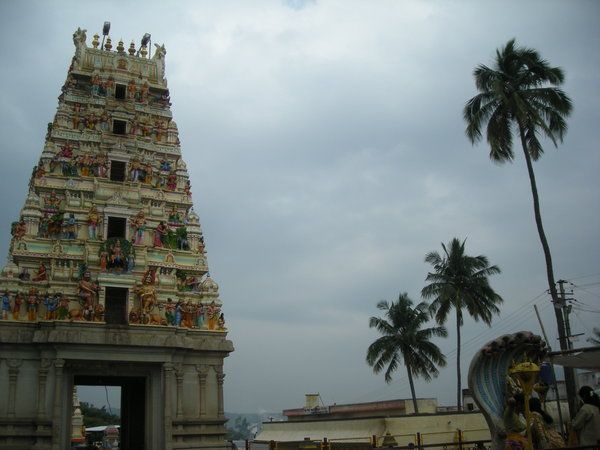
(366, 443)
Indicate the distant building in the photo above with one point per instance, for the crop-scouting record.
(381, 420)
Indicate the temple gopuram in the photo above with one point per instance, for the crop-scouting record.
(107, 281)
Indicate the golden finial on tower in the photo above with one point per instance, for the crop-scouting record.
(131, 49)
(144, 51)
(120, 46)
(96, 41)
(108, 45)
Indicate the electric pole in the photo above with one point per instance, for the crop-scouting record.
(569, 372)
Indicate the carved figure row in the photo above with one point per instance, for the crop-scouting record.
(184, 314)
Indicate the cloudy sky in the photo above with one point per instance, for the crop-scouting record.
(326, 149)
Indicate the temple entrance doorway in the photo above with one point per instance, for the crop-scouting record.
(132, 432)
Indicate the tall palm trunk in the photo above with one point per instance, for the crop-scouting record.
(458, 374)
(412, 389)
(569, 374)
(545, 246)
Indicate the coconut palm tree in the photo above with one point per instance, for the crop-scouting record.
(459, 281)
(520, 94)
(403, 338)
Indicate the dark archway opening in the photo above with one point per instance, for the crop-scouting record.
(133, 406)
(116, 306)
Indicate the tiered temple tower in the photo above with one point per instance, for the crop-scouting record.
(107, 281)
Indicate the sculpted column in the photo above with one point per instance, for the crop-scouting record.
(220, 378)
(59, 364)
(168, 379)
(13, 376)
(42, 377)
(202, 373)
(179, 378)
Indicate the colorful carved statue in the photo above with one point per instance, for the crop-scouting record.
(172, 181)
(88, 291)
(62, 312)
(103, 260)
(488, 376)
(144, 92)
(41, 274)
(32, 305)
(70, 227)
(16, 311)
(138, 224)
(116, 257)
(200, 311)
(92, 222)
(95, 90)
(51, 304)
(170, 311)
(131, 90)
(5, 305)
(159, 234)
(52, 202)
(18, 229)
(159, 130)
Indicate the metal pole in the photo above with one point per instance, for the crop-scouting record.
(569, 372)
(555, 385)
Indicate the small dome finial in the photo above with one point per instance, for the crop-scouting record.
(96, 41)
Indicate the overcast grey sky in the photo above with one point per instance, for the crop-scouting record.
(326, 149)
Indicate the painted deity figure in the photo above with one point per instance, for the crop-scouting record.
(52, 202)
(212, 315)
(41, 274)
(170, 312)
(144, 92)
(200, 316)
(32, 305)
(159, 234)
(51, 304)
(146, 292)
(91, 121)
(70, 227)
(135, 170)
(101, 163)
(62, 311)
(19, 229)
(88, 291)
(43, 226)
(95, 90)
(139, 226)
(178, 313)
(16, 311)
(5, 305)
(116, 257)
(104, 121)
(103, 260)
(172, 181)
(92, 222)
(159, 130)
(131, 90)
(109, 86)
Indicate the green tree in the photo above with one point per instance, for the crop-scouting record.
(94, 416)
(459, 281)
(520, 94)
(404, 338)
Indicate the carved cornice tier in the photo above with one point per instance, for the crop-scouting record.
(69, 333)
